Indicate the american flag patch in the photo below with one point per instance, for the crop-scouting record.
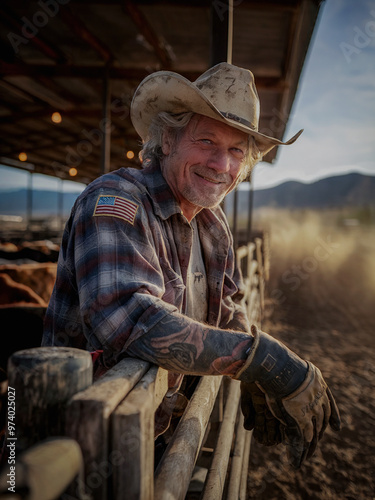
(115, 206)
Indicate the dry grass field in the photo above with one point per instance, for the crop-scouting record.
(321, 303)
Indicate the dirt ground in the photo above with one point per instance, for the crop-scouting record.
(321, 304)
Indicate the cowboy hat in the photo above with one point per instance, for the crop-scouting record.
(225, 93)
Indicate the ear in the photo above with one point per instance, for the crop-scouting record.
(166, 144)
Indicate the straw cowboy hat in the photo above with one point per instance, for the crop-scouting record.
(225, 93)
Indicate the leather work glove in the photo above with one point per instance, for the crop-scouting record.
(267, 429)
(295, 393)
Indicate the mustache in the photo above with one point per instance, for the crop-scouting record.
(212, 174)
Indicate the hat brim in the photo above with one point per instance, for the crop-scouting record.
(170, 92)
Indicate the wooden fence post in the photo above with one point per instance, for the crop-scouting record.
(43, 380)
(259, 257)
(133, 437)
(173, 474)
(88, 417)
(44, 470)
(215, 481)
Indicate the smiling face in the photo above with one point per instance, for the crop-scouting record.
(204, 164)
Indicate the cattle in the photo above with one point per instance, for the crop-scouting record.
(25, 290)
(36, 251)
(12, 292)
(40, 278)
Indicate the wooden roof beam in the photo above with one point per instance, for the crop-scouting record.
(97, 72)
(145, 28)
(47, 111)
(28, 140)
(39, 94)
(47, 49)
(80, 29)
(43, 166)
(298, 37)
(13, 89)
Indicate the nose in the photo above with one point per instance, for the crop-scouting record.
(219, 161)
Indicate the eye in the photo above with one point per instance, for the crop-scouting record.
(238, 152)
(205, 141)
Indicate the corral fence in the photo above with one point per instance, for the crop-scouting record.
(68, 437)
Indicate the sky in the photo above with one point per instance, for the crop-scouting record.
(335, 105)
(335, 102)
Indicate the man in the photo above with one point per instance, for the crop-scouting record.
(147, 265)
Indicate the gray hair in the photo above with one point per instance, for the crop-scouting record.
(174, 125)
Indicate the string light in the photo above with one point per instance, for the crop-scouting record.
(22, 156)
(130, 155)
(73, 172)
(56, 117)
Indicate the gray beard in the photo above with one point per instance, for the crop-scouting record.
(201, 201)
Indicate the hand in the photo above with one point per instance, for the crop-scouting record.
(267, 429)
(295, 392)
(306, 414)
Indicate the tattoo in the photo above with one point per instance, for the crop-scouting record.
(182, 345)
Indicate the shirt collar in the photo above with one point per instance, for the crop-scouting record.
(162, 198)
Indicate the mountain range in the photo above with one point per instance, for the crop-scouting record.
(352, 189)
(349, 190)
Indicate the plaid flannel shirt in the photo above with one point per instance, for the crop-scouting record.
(120, 274)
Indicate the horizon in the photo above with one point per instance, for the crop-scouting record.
(77, 188)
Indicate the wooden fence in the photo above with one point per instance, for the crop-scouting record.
(82, 440)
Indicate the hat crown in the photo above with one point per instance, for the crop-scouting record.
(225, 93)
(232, 91)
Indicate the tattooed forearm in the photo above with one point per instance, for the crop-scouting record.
(179, 344)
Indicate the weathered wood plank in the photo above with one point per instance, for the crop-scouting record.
(259, 257)
(235, 474)
(254, 310)
(253, 267)
(241, 253)
(251, 248)
(172, 477)
(160, 386)
(214, 485)
(133, 437)
(44, 379)
(45, 470)
(245, 466)
(88, 416)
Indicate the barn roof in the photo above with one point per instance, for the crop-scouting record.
(83, 57)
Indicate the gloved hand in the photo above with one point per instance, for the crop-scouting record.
(295, 393)
(267, 429)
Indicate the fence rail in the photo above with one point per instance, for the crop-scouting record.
(96, 440)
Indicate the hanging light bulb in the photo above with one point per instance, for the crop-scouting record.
(22, 156)
(73, 172)
(56, 117)
(130, 155)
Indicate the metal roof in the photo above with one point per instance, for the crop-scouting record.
(82, 57)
